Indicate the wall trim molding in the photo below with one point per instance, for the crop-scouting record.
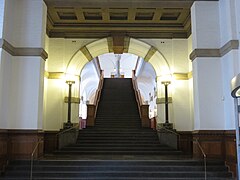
(22, 51)
(56, 75)
(86, 53)
(75, 100)
(226, 48)
(161, 100)
(150, 53)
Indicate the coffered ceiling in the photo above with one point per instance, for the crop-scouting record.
(135, 18)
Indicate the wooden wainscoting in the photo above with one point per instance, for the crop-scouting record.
(3, 149)
(22, 142)
(185, 143)
(230, 150)
(19, 144)
(217, 144)
(50, 141)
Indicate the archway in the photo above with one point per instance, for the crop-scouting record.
(147, 52)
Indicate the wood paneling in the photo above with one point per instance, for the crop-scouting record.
(50, 141)
(22, 143)
(19, 144)
(3, 149)
(185, 142)
(91, 114)
(230, 150)
(217, 144)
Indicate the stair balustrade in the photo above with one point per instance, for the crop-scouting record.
(143, 108)
(92, 108)
(169, 140)
(32, 157)
(67, 136)
(204, 158)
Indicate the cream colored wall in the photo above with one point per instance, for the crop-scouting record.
(60, 53)
(176, 52)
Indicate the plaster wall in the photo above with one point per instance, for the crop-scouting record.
(25, 23)
(205, 24)
(21, 92)
(228, 18)
(5, 86)
(209, 110)
(61, 51)
(176, 52)
(2, 6)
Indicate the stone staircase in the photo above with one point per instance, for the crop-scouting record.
(117, 147)
(117, 169)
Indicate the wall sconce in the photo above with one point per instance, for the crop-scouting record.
(166, 83)
(235, 87)
(69, 124)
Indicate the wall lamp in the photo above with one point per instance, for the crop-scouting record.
(69, 124)
(166, 83)
(235, 92)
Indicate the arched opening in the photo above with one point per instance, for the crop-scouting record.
(126, 64)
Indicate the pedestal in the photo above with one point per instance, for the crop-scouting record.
(166, 125)
(67, 125)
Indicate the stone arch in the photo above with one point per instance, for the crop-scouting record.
(133, 46)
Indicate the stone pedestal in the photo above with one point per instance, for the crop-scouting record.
(167, 135)
(67, 125)
(166, 125)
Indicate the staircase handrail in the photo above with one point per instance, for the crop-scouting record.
(98, 92)
(137, 92)
(32, 157)
(204, 157)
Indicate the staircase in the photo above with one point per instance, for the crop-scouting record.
(117, 147)
(118, 127)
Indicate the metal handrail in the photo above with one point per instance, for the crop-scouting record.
(204, 157)
(32, 157)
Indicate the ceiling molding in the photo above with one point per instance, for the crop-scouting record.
(110, 44)
(118, 43)
(229, 46)
(137, 19)
(126, 44)
(123, 3)
(23, 51)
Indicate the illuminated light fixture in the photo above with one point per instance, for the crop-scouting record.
(166, 83)
(235, 92)
(69, 124)
(235, 85)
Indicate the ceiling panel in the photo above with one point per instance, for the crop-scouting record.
(134, 18)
